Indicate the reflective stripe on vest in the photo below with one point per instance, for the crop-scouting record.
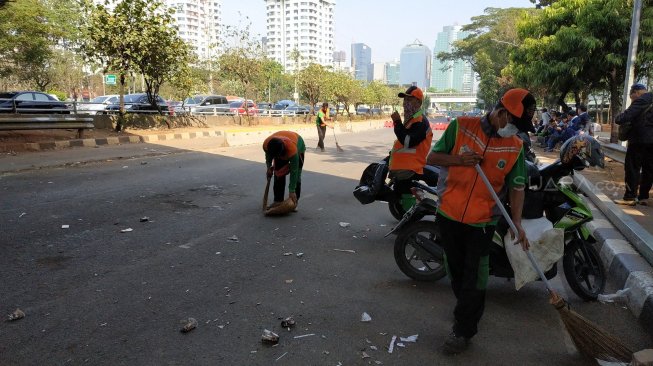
(464, 197)
(404, 157)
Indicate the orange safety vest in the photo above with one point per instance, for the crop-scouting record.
(289, 139)
(464, 197)
(404, 157)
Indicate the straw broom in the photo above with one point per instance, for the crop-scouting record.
(590, 340)
(265, 195)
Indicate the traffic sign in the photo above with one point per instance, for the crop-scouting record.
(110, 79)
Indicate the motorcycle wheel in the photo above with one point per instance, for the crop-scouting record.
(583, 269)
(396, 209)
(414, 261)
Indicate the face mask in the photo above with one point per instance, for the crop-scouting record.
(508, 130)
(409, 111)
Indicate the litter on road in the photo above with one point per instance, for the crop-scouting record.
(366, 317)
(145, 219)
(392, 344)
(344, 224)
(278, 358)
(304, 335)
(345, 250)
(617, 296)
(233, 238)
(189, 324)
(411, 339)
(127, 230)
(65, 226)
(269, 337)
(288, 322)
(17, 314)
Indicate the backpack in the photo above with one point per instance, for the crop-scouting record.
(371, 182)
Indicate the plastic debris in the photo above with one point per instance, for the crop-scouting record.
(366, 317)
(411, 339)
(373, 348)
(345, 250)
(288, 254)
(233, 238)
(145, 219)
(288, 322)
(304, 335)
(289, 280)
(22, 214)
(392, 344)
(65, 226)
(365, 355)
(399, 344)
(189, 324)
(344, 224)
(619, 295)
(269, 337)
(280, 357)
(127, 230)
(17, 314)
(299, 255)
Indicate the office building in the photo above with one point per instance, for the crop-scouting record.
(451, 75)
(340, 61)
(415, 65)
(300, 32)
(361, 61)
(392, 73)
(199, 24)
(378, 72)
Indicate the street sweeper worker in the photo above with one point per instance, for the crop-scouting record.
(321, 123)
(284, 155)
(408, 154)
(467, 213)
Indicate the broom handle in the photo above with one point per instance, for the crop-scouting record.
(512, 225)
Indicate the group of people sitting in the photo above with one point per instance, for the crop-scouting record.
(557, 127)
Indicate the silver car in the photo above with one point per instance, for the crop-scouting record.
(98, 105)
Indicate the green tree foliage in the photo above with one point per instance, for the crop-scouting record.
(342, 89)
(137, 35)
(375, 94)
(312, 83)
(492, 38)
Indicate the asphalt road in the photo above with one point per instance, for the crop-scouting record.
(94, 295)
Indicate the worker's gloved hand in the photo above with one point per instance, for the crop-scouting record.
(268, 173)
(396, 118)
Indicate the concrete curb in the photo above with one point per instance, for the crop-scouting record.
(625, 266)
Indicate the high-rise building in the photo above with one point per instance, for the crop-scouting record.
(198, 23)
(415, 65)
(451, 75)
(361, 61)
(379, 73)
(300, 32)
(392, 73)
(340, 61)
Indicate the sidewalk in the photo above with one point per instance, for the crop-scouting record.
(619, 231)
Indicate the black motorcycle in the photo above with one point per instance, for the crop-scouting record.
(375, 185)
(420, 257)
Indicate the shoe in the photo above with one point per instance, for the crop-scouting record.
(644, 202)
(626, 202)
(455, 344)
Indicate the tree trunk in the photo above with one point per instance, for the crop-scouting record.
(615, 107)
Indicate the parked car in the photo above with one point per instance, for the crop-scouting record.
(98, 105)
(238, 108)
(138, 103)
(206, 104)
(362, 111)
(298, 109)
(31, 102)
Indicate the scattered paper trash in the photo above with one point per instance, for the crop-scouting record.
(617, 296)
(304, 335)
(365, 355)
(269, 337)
(65, 226)
(17, 314)
(345, 250)
(288, 322)
(299, 255)
(344, 224)
(233, 238)
(366, 317)
(280, 357)
(289, 280)
(127, 230)
(399, 344)
(288, 254)
(392, 344)
(373, 348)
(411, 339)
(189, 324)
(145, 219)
(22, 214)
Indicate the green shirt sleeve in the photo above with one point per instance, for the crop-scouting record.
(448, 140)
(294, 172)
(518, 176)
(320, 117)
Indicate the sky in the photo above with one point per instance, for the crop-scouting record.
(384, 25)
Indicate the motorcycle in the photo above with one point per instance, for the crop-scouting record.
(549, 193)
(374, 185)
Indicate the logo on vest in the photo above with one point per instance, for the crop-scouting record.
(501, 164)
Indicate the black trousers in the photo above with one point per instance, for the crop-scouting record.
(321, 132)
(467, 255)
(638, 169)
(279, 186)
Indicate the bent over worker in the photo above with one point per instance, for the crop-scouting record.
(467, 214)
(414, 136)
(284, 155)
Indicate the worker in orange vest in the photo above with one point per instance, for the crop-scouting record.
(467, 213)
(284, 155)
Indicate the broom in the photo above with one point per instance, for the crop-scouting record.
(589, 339)
(265, 195)
(334, 137)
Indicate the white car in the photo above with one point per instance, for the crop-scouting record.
(98, 105)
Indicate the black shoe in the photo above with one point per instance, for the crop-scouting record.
(455, 344)
(644, 202)
(626, 202)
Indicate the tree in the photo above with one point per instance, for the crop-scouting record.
(312, 83)
(342, 89)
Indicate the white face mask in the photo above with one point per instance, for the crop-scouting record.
(508, 130)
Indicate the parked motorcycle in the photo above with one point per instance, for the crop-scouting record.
(375, 185)
(550, 193)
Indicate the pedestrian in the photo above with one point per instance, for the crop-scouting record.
(284, 155)
(467, 214)
(408, 154)
(638, 165)
(563, 132)
(582, 122)
(321, 123)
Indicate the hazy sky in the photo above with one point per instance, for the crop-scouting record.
(384, 25)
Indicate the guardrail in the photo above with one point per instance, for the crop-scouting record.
(615, 152)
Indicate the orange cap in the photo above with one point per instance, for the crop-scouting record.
(413, 91)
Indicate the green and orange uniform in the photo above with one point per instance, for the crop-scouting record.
(291, 162)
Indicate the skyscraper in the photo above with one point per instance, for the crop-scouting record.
(340, 61)
(361, 61)
(415, 65)
(306, 26)
(198, 23)
(457, 75)
(379, 73)
(392, 73)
